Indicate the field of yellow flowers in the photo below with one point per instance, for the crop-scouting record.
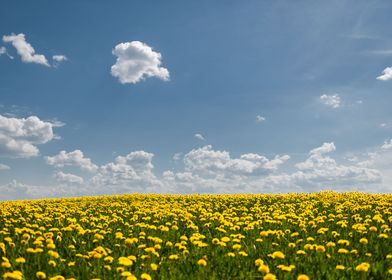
(294, 236)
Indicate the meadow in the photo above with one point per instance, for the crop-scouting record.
(323, 235)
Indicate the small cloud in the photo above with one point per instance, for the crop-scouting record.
(260, 119)
(385, 125)
(25, 50)
(387, 145)
(332, 101)
(3, 50)
(379, 52)
(177, 156)
(199, 136)
(57, 123)
(386, 74)
(4, 167)
(58, 58)
(137, 61)
(359, 102)
(361, 36)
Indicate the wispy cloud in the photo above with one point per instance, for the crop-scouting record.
(386, 52)
(58, 58)
(25, 49)
(333, 101)
(4, 167)
(3, 50)
(199, 136)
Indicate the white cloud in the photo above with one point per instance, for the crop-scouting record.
(19, 136)
(332, 101)
(199, 136)
(4, 167)
(16, 190)
(386, 74)
(385, 52)
(206, 170)
(25, 50)
(384, 125)
(177, 156)
(3, 50)
(74, 158)
(137, 61)
(58, 58)
(321, 171)
(68, 178)
(206, 161)
(130, 173)
(260, 119)
(387, 145)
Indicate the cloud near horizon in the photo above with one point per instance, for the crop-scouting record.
(206, 170)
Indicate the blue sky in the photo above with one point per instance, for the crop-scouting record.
(268, 79)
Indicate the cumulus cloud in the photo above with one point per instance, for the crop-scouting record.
(207, 170)
(68, 178)
(206, 161)
(386, 74)
(199, 136)
(137, 61)
(4, 167)
(19, 136)
(332, 101)
(74, 158)
(25, 50)
(260, 119)
(130, 173)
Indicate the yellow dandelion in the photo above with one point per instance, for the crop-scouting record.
(145, 276)
(40, 275)
(269, 276)
(202, 262)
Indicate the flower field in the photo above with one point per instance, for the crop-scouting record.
(295, 236)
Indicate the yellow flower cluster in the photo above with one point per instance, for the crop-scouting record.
(295, 236)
